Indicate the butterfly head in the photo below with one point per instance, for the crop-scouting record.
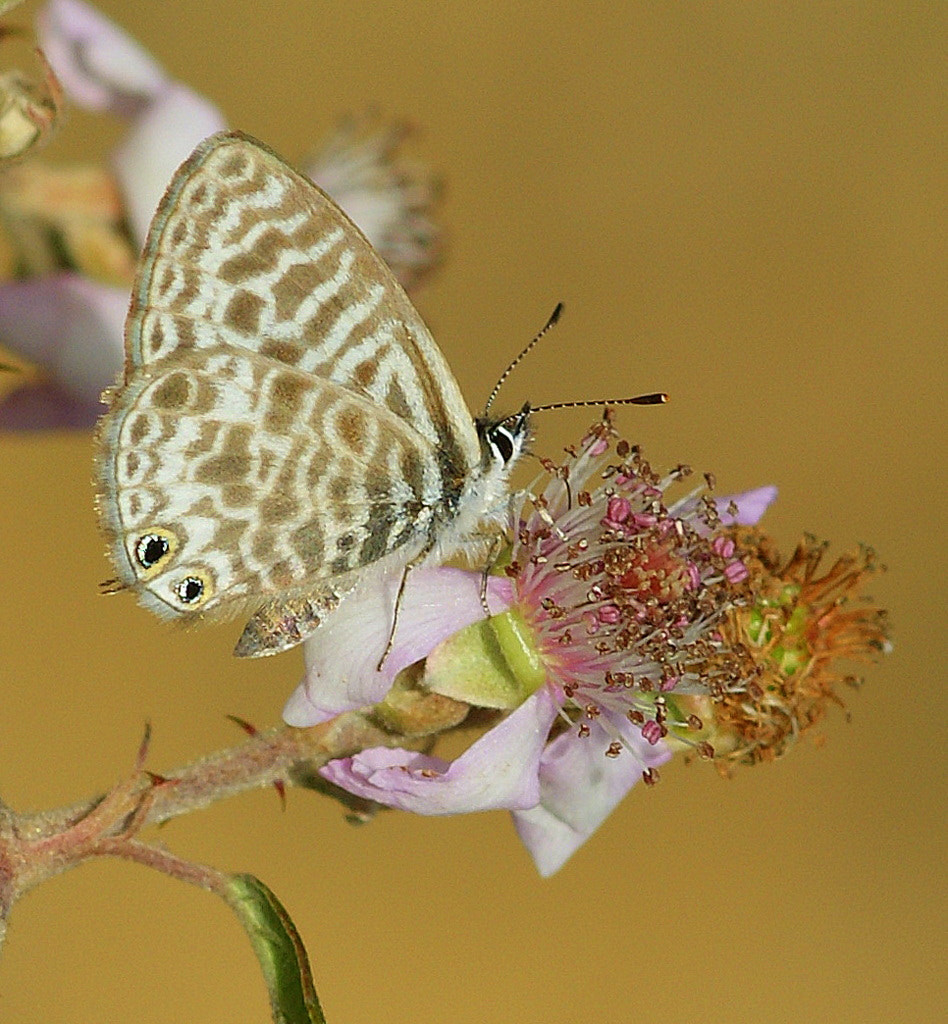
(503, 440)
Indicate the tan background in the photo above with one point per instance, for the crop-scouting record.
(742, 204)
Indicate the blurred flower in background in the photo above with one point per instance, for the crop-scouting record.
(70, 237)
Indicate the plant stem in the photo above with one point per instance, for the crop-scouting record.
(35, 847)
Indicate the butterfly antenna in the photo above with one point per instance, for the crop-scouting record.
(554, 316)
(655, 398)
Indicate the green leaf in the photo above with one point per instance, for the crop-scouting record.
(279, 949)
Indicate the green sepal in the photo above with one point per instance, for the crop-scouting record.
(492, 663)
(279, 949)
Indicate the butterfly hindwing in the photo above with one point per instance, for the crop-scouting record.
(252, 480)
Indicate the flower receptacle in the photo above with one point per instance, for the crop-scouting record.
(493, 663)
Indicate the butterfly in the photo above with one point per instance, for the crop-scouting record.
(284, 419)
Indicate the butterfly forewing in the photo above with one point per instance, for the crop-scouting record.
(285, 417)
(245, 251)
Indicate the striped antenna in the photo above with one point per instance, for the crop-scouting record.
(551, 323)
(655, 398)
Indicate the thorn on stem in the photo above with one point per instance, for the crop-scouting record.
(143, 748)
(160, 780)
(248, 727)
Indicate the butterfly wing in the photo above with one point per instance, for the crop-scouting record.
(231, 478)
(246, 252)
(285, 416)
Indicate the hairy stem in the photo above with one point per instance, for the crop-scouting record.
(35, 847)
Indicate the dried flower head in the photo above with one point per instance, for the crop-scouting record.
(799, 638)
(391, 198)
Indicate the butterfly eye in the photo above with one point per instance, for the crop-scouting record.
(507, 437)
(152, 549)
(192, 590)
(501, 444)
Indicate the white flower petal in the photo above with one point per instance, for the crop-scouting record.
(579, 788)
(549, 841)
(160, 137)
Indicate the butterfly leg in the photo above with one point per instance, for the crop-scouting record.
(497, 545)
(417, 560)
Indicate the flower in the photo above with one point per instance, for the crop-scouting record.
(389, 198)
(70, 313)
(69, 323)
(72, 327)
(102, 69)
(616, 600)
(342, 658)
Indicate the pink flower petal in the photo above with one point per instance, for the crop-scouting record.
(342, 655)
(99, 66)
(580, 787)
(46, 407)
(549, 841)
(498, 771)
(751, 505)
(70, 326)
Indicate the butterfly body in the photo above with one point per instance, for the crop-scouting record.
(284, 419)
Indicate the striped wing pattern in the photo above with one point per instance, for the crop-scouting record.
(285, 417)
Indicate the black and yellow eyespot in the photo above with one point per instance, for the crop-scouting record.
(153, 550)
(192, 590)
